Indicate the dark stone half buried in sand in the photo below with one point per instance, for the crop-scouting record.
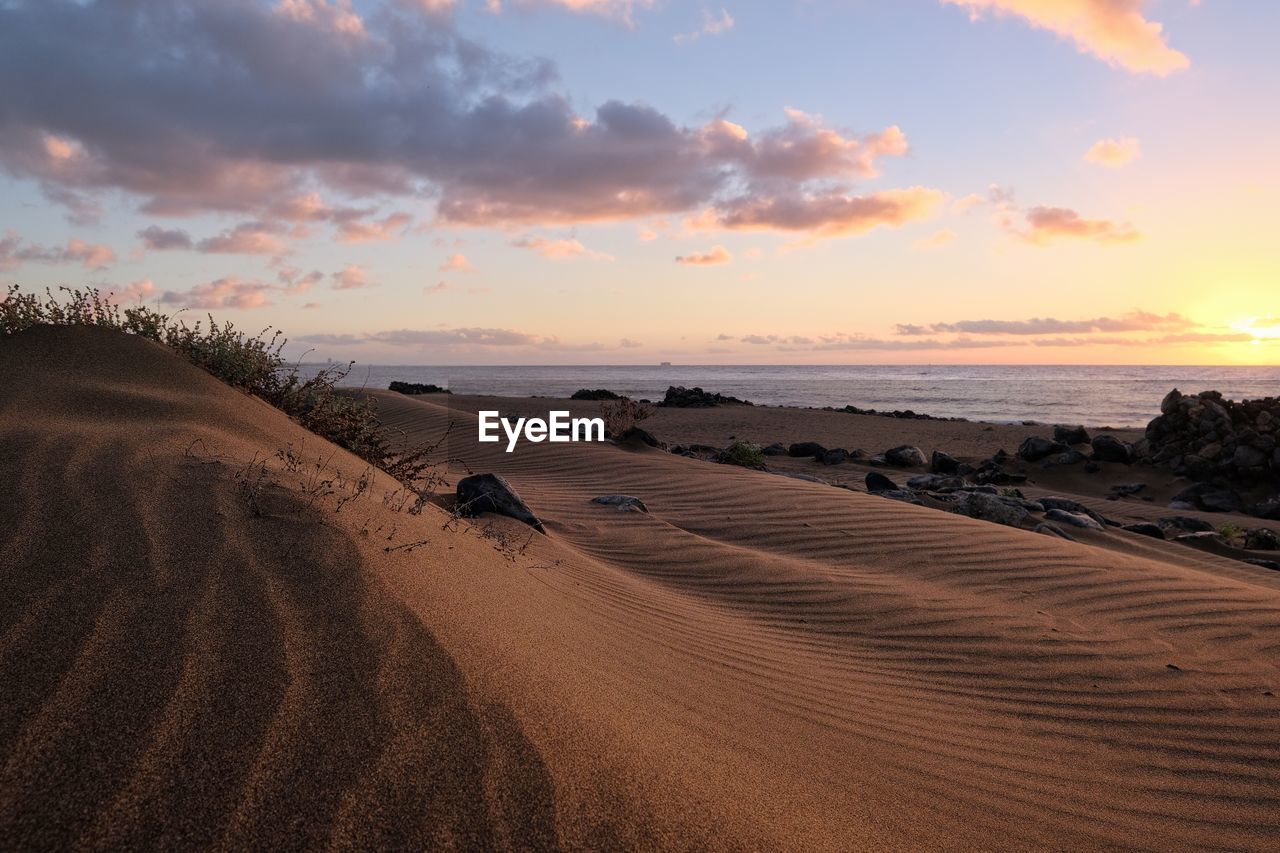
(624, 503)
(1037, 447)
(943, 463)
(775, 449)
(877, 482)
(481, 493)
(1075, 519)
(1108, 448)
(834, 456)
(1071, 434)
(810, 449)
(1145, 528)
(991, 508)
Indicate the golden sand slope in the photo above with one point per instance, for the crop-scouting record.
(204, 643)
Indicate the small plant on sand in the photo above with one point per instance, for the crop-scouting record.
(742, 453)
(623, 414)
(1231, 531)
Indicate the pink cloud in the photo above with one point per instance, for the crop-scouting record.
(229, 292)
(716, 255)
(559, 250)
(353, 277)
(457, 263)
(1049, 224)
(833, 214)
(14, 253)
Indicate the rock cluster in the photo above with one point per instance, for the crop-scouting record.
(1206, 437)
(904, 415)
(595, 394)
(416, 388)
(679, 397)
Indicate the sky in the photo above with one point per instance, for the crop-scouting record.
(632, 181)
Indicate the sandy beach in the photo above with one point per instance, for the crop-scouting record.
(222, 631)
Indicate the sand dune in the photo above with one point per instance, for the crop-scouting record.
(215, 635)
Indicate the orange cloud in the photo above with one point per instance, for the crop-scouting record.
(834, 214)
(1114, 153)
(717, 255)
(1048, 224)
(936, 240)
(1113, 30)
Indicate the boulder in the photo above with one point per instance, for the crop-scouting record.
(1074, 519)
(1207, 498)
(1036, 448)
(1266, 564)
(679, 397)
(1145, 528)
(934, 482)
(834, 456)
(1071, 506)
(1108, 448)
(1261, 539)
(775, 449)
(594, 394)
(413, 388)
(624, 503)
(990, 508)
(810, 449)
(904, 495)
(1067, 457)
(877, 482)
(905, 456)
(1053, 530)
(481, 493)
(1071, 435)
(943, 463)
(1185, 524)
(1124, 490)
(636, 435)
(1249, 457)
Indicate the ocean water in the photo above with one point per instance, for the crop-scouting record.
(1118, 396)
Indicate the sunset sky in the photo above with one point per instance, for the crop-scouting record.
(627, 181)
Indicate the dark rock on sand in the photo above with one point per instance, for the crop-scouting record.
(679, 397)
(905, 456)
(1124, 490)
(491, 493)
(594, 394)
(935, 482)
(1075, 519)
(806, 448)
(1053, 530)
(1067, 457)
(1261, 539)
(877, 482)
(990, 508)
(636, 435)
(412, 388)
(624, 503)
(1071, 435)
(775, 449)
(1108, 448)
(834, 456)
(1266, 564)
(1036, 447)
(1145, 528)
(943, 463)
(1208, 498)
(1185, 524)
